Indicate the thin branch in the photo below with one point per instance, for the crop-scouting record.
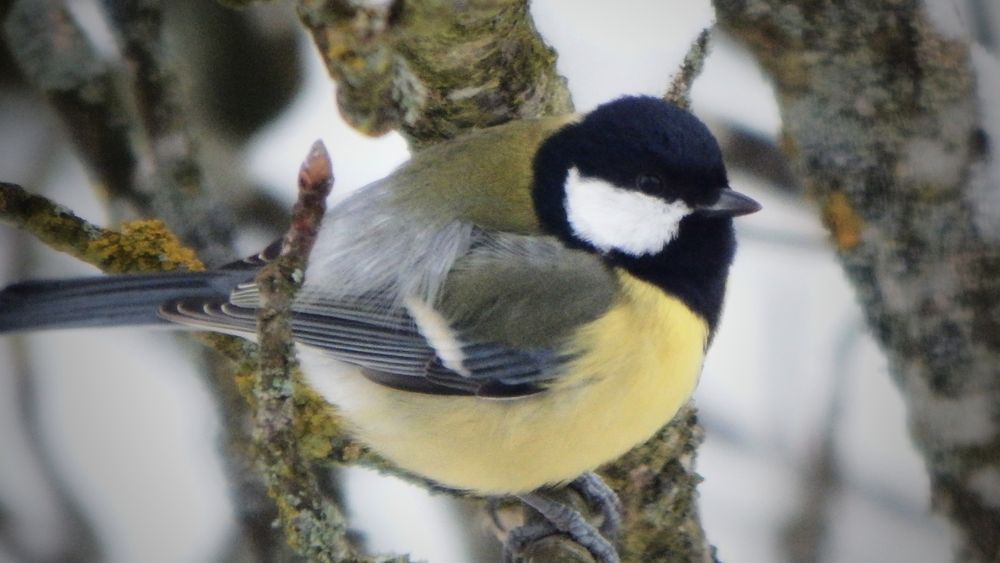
(315, 528)
(176, 185)
(57, 58)
(256, 538)
(150, 164)
(78, 542)
(140, 246)
(147, 246)
(694, 61)
(758, 155)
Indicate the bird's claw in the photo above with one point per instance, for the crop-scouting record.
(558, 518)
(603, 499)
(521, 537)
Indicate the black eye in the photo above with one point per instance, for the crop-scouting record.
(649, 183)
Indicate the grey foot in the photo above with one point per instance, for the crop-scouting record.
(521, 537)
(559, 518)
(601, 498)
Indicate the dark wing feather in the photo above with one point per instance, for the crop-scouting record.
(510, 347)
(389, 346)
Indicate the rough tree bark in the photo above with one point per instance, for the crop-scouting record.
(885, 121)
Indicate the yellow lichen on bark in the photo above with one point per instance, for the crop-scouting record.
(142, 246)
(843, 221)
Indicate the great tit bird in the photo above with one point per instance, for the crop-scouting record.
(506, 311)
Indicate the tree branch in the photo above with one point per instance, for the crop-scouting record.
(657, 484)
(140, 246)
(151, 164)
(435, 68)
(315, 528)
(175, 181)
(57, 58)
(147, 246)
(694, 61)
(885, 129)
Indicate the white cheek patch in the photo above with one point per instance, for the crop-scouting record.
(611, 218)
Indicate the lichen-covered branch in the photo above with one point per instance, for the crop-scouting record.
(150, 163)
(139, 246)
(315, 528)
(657, 484)
(147, 246)
(679, 92)
(887, 132)
(435, 68)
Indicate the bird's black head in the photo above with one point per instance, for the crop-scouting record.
(624, 177)
(641, 182)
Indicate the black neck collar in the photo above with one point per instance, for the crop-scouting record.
(693, 267)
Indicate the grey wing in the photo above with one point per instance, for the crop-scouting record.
(485, 335)
(389, 345)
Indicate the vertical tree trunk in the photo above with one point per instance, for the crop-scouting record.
(886, 127)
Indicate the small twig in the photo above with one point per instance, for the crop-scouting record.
(680, 87)
(255, 537)
(314, 527)
(139, 246)
(759, 155)
(176, 185)
(48, 221)
(147, 246)
(57, 58)
(97, 107)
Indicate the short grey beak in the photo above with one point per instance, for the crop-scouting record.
(731, 204)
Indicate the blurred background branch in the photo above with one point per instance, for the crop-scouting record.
(75, 538)
(886, 129)
(129, 126)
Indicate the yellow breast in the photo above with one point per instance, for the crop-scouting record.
(637, 365)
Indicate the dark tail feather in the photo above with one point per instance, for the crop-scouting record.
(106, 301)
